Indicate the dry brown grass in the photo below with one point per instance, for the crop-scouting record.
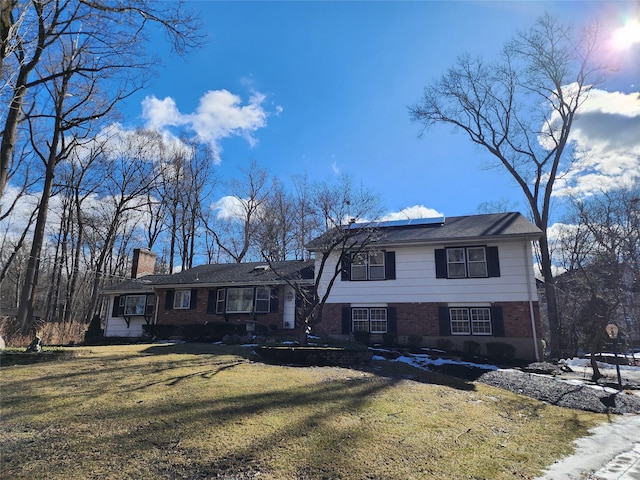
(201, 411)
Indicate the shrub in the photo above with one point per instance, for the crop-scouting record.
(471, 348)
(444, 344)
(501, 351)
(362, 337)
(414, 341)
(389, 339)
(207, 332)
(94, 331)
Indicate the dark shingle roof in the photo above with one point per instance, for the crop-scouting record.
(142, 284)
(221, 274)
(239, 273)
(463, 228)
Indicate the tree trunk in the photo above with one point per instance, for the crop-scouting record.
(27, 295)
(555, 330)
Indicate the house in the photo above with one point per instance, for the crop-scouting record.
(459, 279)
(241, 293)
(132, 303)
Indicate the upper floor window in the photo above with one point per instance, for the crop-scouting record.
(182, 299)
(369, 265)
(467, 262)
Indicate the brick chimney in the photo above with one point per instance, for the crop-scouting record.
(144, 263)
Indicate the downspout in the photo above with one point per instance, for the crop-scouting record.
(155, 310)
(527, 266)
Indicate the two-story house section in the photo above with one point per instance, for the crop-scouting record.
(467, 278)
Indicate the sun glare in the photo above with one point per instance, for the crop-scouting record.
(625, 37)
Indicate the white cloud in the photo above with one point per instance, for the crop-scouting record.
(335, 168)
(417, 211)
(229, 208)
(219, 115)
(607, 140)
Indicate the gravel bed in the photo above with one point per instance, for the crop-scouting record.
(557, 392)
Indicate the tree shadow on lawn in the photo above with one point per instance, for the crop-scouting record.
(460, 377)
(152, 432)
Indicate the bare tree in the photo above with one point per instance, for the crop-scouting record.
(275, 232)
(113, 37)
(75, 60)
(236, 233)
(130, 174)
(336, 207)
(521, 110)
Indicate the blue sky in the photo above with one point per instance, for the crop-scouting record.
(324, 87)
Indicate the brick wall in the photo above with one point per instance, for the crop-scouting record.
(143, 263)
(422, 319)
(199, 313)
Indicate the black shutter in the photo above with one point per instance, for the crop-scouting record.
(275, 299)
(346, 267)
(390, 265)
(194, 299)
(493, 262)
(346, 320)
(445, 324)
(497, 321)
(441, 263)
(116, 305)
(392, 322)
(211, 301)
(168, 303)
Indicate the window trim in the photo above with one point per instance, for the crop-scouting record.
(366, 265)
(369, 320)
(142, 304)
(234, 289)
(221, 303)
(471, 331)
(180, 295)
(257, 299)
(465, 262)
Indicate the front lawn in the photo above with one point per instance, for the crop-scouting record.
(202, 411)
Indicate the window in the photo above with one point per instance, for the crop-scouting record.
(368, 266)
(134, 304)
(220, 300)
(470, 320)
(240, 300)
(182, 299)
(476, 262)
(263, 300)
(459, 321)
(372, 320)
(467, 262)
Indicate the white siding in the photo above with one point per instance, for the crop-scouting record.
(416, 280)
(117, 326)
